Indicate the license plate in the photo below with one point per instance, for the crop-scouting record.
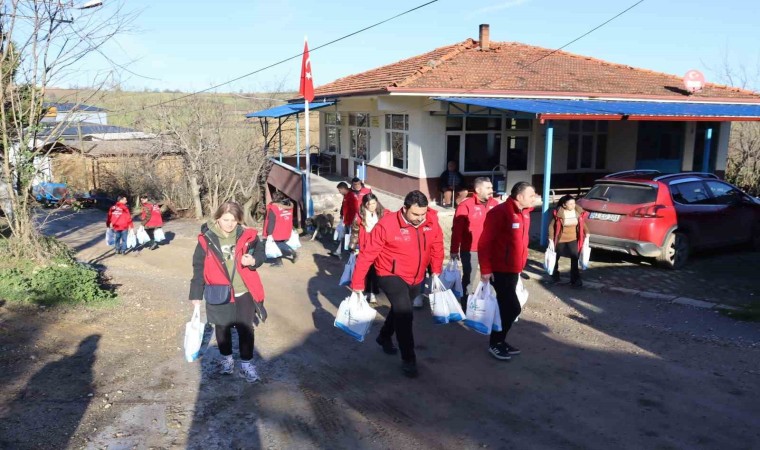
(604, 216)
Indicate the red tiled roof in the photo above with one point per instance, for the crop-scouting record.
(510, 68)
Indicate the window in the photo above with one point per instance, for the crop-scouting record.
(690, 193)
(358, 126)
(724, 194)
(626, 194)
(482, 151)
(332, 131)
(517, 152)
(587, 145)
(397, 139)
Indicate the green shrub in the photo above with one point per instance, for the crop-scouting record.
(58, 283)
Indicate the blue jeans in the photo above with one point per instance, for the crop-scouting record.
(120, 240)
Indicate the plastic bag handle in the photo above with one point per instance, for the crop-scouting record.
(196, 314)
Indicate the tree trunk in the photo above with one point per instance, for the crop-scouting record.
(195, 190)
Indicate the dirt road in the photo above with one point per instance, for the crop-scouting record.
(597, 371)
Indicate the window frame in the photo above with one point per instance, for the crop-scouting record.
(337, 126)
(357, 129)
(389, 134)
(594, 134)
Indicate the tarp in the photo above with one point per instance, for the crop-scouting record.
(617, 110)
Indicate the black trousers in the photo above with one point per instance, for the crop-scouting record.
(400, 317)
(285, 249)
(569, 250)
(370, 283)
(244, 330)
(509, 306)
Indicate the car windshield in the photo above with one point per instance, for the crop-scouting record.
(626, 194)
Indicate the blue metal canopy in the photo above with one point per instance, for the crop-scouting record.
(616, 110)
(287, 110)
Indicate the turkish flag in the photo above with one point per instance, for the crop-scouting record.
(307, 81)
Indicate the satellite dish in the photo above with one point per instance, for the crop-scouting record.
(693, 81)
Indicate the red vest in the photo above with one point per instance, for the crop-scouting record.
(214, 271)
(283, 223)
(119, 217)
(155, 216)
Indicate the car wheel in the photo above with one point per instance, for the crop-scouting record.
(675, 252)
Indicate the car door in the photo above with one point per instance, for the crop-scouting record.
(735, 215)
(697, 216)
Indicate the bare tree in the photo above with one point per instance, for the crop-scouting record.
(743, 165)
(41, 41)
(216, 147)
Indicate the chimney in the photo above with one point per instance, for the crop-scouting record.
(485, 37)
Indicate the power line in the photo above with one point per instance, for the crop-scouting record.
(289, 58)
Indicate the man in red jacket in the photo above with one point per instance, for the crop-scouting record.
(503, 253)
(120, 221)
(466, 231)
(352, 201)
(401, 246)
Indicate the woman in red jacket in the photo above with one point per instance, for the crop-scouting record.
(225, 276)
(151, 219)
(279, 224)
(567, 231)
(120, 221)
(370, 213)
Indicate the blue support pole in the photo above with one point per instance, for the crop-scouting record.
(298, 144)
(706, 155)
(547, 182)
(279, 127)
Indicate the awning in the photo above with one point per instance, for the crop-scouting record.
(616, 110)
(287, 110)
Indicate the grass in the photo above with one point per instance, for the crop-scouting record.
(750, 313)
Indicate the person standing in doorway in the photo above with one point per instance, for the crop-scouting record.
(227, 256)
(466, 230)
(567, 231)
(401, 246)
(369, 214)
(448, 182)
(151, 219)
(279, 224)
(119, 220)
(503, 254)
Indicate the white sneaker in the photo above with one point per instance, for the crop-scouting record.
(248, 372)
(227, 365)
(417, 303)
(372, 298)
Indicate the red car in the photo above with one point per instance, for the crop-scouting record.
(650, 214)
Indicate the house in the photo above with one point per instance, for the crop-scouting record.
(490, 106)
(74, 112)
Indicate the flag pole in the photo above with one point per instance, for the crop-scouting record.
(307, 193)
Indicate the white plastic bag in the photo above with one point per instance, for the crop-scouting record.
(340, 231)
(193, 335)
(496, 327)
(355, 316)
(550, 258)
(481, 307)
(158, 235)
(346, 241)
(522, 294)
(131, 239)
(271, 249)
(348, 271)
(585, 254)
(142, 236)
(455, 308)
(438, 304)
(452, 278)
(110, 238)
(294, 242)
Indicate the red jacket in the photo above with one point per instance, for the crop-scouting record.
(208, 267)
(352, 201)
(468, 224)
(559, 222)
(396, 247)
(278, 222)
(151, 215)
(362, 234)
(503, 245)
(119, 217)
